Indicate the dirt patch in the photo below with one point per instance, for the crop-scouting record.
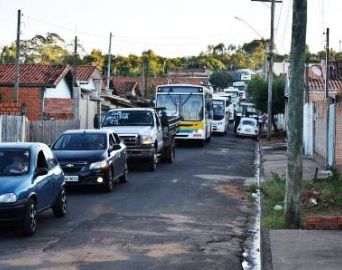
(235, 192)
(163, 250)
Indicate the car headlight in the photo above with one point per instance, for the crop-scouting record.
(99, 165)
(147, 139)
(8, 198)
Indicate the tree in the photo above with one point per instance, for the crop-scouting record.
(258, 91)
(220, 79)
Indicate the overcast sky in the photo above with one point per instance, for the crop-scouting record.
(169, 27)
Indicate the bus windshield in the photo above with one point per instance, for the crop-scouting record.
(219, 109)
(188, 106)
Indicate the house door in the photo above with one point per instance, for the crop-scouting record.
(331, 136)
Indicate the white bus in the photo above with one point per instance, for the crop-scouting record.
(193, 104)
(221, 114)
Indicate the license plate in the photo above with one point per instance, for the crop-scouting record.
(69, 178)
(248, 130)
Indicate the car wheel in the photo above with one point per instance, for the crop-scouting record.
(153, 162)
(60, 207)
(108, 185)
(124, 178)
(30, 219)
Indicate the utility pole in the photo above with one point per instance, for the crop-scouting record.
(295, 117)
(270, 67)
(327, 69)
(108, 64)
(17, 56)
(74, 82)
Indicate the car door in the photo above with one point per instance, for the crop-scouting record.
(114, 157)
(43, 183)
(159, 133)
(56, 173)
(122, 154)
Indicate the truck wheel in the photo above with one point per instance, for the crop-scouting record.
(170, 154)
(208, 139)
(153, 162)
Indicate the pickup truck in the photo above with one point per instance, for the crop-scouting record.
(149, 134)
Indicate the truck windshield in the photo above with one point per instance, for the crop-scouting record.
(14, 161)
(188, 106)
(128, 118)
(219, 110)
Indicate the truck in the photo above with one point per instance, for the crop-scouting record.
(148, 133)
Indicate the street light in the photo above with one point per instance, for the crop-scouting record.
(250, 26)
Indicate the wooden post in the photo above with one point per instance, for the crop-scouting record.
(295, 119)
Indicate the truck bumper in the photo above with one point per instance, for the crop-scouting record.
(140, 153)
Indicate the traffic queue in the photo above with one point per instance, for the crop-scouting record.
(34, 177)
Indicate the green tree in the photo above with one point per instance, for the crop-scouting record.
(220, 79)
(258, 91)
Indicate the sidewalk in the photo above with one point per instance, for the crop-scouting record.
(297, 249)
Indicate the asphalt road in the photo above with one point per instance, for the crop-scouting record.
(188, 215)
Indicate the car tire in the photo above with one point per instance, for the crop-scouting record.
(124, 177)
(153, 162)
(170, 152)
(30, 219)
(60, 207)
(108, 185)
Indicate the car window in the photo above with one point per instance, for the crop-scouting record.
(14, 161)
(41, 160)
(116, 138)
(81, 142)
(111, 140)
(50, 158)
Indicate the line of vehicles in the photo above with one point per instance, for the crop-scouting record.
(34, 177)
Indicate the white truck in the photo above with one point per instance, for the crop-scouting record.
(149, 134)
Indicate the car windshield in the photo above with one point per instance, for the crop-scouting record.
(128, 118)
(219, 110)
(14, 161)
(248, 123)
(81, 141)
(188, 106)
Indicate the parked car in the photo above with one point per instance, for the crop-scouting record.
(149, 134)
(248, 127)
(92, 157)
(31, 182)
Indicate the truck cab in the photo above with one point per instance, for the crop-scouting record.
(141, 130)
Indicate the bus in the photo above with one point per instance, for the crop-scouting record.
(193, 104)
(221, 114)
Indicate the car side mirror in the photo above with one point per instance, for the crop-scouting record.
(41, 171)
(116, 147)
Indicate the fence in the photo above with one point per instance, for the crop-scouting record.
(48, 130)
(19, 129)
(13, 128)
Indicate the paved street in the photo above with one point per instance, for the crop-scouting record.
(187, 215)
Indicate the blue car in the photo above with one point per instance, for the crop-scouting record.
(31, 182)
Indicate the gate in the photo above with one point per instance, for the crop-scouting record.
(331, 136)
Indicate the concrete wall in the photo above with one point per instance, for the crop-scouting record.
(320, 131)
(62, 90)
(308, 129)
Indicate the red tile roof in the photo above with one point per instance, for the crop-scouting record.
(35, 74)
(122, 88)
(84, 72)
(316, 77)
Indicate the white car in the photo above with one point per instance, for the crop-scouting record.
(248, 127)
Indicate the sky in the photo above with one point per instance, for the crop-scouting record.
(171, 28)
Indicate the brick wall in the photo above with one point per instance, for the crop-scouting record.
(30, 96)
(320, 131)
(338, 146)
(59, 108)
(10, 108)
(323, 222)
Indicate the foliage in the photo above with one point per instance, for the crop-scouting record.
(220, 79)
(258, 90)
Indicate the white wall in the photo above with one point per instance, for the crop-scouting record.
(308, 133)
(62, 90)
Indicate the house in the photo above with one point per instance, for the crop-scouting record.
(44, 91)
(323, 115)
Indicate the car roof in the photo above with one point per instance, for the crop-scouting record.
(20, 145)
(87, 131)
(133, 109)
(248, 118)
